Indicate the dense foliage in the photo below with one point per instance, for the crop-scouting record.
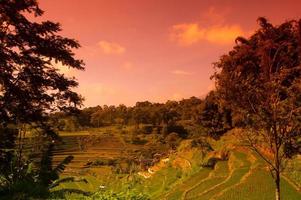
(188, 117)
(142, 113)
(31, 88)
(260, 80)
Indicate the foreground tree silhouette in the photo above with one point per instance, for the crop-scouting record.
(31, 87)
(260, 79)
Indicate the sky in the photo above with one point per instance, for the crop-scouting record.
(155, 50)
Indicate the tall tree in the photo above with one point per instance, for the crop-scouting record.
(261, 80)
(31, 87)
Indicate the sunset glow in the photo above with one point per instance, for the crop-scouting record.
(155, 50)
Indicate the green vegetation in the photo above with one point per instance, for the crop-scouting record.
(233, 177)
(224, 146)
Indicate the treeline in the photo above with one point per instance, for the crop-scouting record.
(142, 113)
(206, 114)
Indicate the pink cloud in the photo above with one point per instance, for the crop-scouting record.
(111, 47)
(188, 34)
(216, 30)
(180, 72)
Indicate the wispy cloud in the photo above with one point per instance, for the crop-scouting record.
(181, 72)
(188, 34)
(111, 47)
(216, 32)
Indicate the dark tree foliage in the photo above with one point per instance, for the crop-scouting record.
(155, 114)
(7, 138)
(260, 79)
(30, 86)
(215, 117)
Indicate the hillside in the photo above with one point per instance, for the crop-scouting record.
(181, 174)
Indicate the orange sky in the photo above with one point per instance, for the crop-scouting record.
(156, 50)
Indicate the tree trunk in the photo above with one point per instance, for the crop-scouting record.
(277, 182)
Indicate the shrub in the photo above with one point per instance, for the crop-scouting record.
(103, 162)
(179, 129)
(210, 162)
(173, 140)
(138, 141)
(202, 144)
(147, 129)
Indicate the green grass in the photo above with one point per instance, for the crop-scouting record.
(205, 185)
(178, 190)
(242, 184)
(203, 191)
(219, 174)
(259, 186)
(235, 179)
(161, 182)
(293, 171)
(92, 185)
(221, 169)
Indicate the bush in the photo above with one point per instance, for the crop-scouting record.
(103, 162)
(138, 141)
(201, 143)
(158, 129)
(173, 140)
(179, 129)
(210, 163)
(147, 129)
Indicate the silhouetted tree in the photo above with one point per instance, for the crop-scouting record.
(261, 80)
(31, 87)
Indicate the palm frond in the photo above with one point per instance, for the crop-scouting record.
(62, 165)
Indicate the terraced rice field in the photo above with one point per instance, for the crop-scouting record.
(106, 146)
(88, 147)
(178, 191)
(243, 177)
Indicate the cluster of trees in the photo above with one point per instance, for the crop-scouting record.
(191, 116)
(142, 113)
